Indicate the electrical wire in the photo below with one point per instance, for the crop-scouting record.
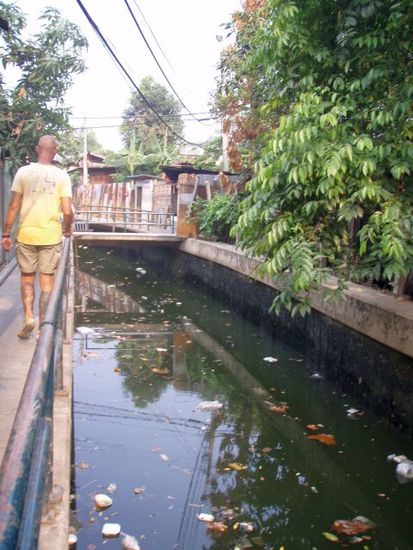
(157, 62)
(136, 87)
(122, 117)
(107, 126)
(153, 34)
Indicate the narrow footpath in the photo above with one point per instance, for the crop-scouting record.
(15, 355)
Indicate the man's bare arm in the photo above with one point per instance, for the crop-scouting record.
(12, 211)
(66, 203)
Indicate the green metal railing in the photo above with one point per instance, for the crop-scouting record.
(24, 470)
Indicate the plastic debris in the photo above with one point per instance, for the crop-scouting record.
(111, 488)
(247, 527)
(397, 458)
(206, 517)
(85, 330)
(352, 527)
(139, 490)
(72, 539)
(404, 471)
(209, 406)
(316, 376)
(270, 359)
(103, 501)
(130, 543)
(164, 457)
(111, 529)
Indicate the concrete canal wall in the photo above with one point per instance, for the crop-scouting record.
(363, 343)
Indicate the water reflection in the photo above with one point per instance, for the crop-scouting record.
(138, 385)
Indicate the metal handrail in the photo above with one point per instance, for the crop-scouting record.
(23, 470)
(7, 271)
(127, 218)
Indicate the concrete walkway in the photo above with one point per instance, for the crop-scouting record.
(15, 355)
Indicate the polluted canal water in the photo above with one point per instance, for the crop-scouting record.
(203, 432)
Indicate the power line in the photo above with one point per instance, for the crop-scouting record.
(143, 97)
(113, 126)
(157, 62)
(153, 34)
(122, 117)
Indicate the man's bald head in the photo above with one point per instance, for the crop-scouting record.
(46, 149)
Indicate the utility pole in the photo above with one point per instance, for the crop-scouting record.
(225, 158)
(85, 174)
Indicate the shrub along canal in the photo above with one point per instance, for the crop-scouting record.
(184, 409)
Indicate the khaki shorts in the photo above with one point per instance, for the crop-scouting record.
(32, 258)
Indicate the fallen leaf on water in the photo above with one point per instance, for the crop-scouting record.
(217, 526)
(138, 490)
(280, 409)
(266, 449)
(352, 527)
(161, 372)
(236, 466)
(327, 439)
(312, 427)
(330, 537)
(116, 369)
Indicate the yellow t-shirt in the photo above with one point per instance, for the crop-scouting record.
(42, 187)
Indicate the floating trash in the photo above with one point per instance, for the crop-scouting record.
(397, 458)
(85, 330)
(206, 517)
(404, 471)
(103, 501)
(209, 406)
(111, 529)
(130, 543)
(270, 359)
(111, 488)
(72, 539)
(139, 490)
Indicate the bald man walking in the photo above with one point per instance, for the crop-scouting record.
(41, 192)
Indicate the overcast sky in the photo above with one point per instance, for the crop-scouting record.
(187, 31)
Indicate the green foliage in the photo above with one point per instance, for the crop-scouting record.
(45, 64)
(211, 157)
(71, 145)
(140, 121)
(216, 216)
(336, 89)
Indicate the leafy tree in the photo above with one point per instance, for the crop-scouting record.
(332, 187)
(140, 121)
(46, 63)
(212, 154)
(71, 145)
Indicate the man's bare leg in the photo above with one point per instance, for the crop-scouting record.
(46, 284)
(27, 293)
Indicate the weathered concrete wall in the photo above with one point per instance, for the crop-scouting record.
(381, 377)
(384, 318)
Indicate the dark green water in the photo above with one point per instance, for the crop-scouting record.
(253, 469)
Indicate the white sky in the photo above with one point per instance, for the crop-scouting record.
(186, 31)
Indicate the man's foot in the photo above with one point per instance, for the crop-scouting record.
(27, 329)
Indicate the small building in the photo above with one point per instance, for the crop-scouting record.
(97, 172)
